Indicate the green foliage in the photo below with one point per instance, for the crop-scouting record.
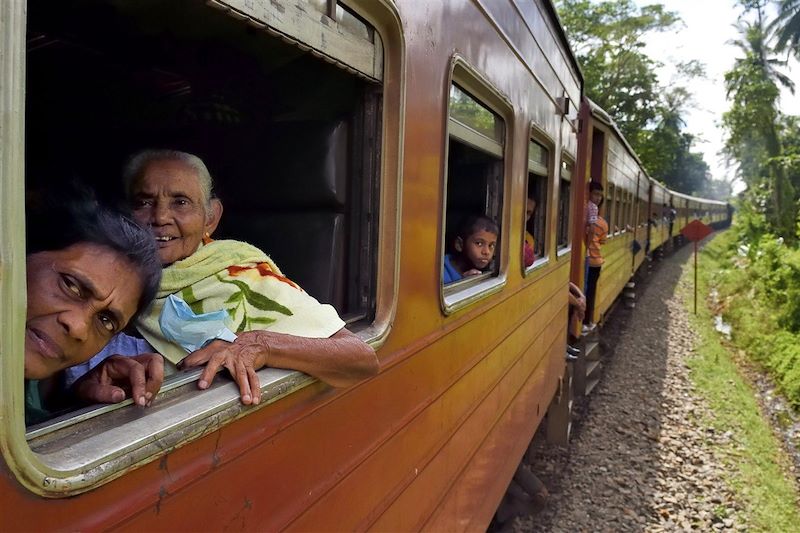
(620, 77)
(756, 465)
(607, 40)
(759, 286)
(754, 125)
(786, 27)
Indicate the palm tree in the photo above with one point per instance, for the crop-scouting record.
(757, 69)
(786, 27)
(755, 47)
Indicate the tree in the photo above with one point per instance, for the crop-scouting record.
(666, 148)
(786, 27)
(620, 77)
(753, 138)
(607, 40)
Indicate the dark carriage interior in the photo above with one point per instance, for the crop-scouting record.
(291, 140)
(537, 189)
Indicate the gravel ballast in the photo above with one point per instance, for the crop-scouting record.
(640, 458)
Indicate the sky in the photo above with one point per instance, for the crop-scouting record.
(708, 26)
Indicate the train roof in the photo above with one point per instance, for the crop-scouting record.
(550, 7)
(601, 115)
(696, 198)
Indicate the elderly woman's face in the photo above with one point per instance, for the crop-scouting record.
(78, 298)
(168, 198)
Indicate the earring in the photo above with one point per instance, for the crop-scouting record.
(207, 238)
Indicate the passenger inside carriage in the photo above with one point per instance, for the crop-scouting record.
(473, 249)
(86, 279)
(273, 321)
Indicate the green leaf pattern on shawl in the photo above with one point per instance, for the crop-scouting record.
(187, 294)
(227, 275)
(247, 296)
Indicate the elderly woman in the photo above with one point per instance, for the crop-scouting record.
(85, 282)
(276, 323)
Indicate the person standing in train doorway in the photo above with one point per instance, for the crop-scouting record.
(596, 235)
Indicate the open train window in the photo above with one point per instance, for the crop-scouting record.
(626, 212)
(610, 207)
(474, 188)
(291, 140)
(538, 191)
(282, 99)
(642, 212)
(564, 204)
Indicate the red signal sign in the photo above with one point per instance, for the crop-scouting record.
(696, 230)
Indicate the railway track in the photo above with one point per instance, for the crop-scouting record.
(640, 459)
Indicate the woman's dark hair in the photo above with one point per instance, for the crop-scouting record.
(54, 226)
(475, 223)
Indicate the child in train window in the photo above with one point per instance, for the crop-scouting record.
(473, 247)
(529, 248)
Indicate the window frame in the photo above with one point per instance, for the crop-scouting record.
(611, 208)
(625, 211)
(466, 292)
(200, 414)
(539, 137)
(566, 166)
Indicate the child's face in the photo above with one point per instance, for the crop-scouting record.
(596, 197)
(479, 248)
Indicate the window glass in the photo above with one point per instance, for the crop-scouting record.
(469, 112)
(474, 191)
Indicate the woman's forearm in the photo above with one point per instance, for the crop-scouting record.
(340, 360)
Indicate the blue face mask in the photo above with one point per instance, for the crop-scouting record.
(191, 331)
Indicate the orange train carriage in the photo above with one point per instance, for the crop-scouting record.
(636, 207)
(347, 138)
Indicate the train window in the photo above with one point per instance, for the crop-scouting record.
(611, 207)
(474, 190)
(537, 190)
(623, 215)
(642, 211)
(626, 223)
(239, 84)
(564, 203)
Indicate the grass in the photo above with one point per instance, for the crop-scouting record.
(758, 465)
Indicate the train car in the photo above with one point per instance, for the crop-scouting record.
(680, 204)
(347, 139)
(612, 162)
(640, 225)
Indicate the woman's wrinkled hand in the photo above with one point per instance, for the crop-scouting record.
(112, 380)
(242, 358)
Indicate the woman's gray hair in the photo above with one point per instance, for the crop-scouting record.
(137, 164)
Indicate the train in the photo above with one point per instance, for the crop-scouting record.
(347, 139)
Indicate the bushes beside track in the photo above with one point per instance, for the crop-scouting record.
(757, 279)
